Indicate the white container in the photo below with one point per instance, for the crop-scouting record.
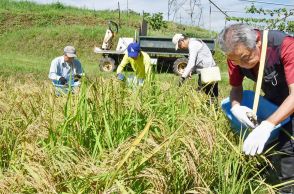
(210, 74)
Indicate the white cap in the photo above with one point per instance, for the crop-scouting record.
(176, 39)
(70, 51)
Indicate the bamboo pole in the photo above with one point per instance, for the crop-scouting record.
(260, 72)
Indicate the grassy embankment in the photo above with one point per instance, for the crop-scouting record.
(161, 139)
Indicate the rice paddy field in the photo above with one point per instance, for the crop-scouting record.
(109, 138)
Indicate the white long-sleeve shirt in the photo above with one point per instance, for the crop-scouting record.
(199, 57)
(60, 68)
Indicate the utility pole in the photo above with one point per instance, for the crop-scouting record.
(169, 6)
(127, 12)
(191, 11)
(200, 17)
(210, 19)
(218, 8)
(118, 14)
(211, 2)
(225, 20)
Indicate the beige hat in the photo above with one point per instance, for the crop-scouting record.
(70, 51)
(176, 39)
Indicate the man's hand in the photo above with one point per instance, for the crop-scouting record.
(181, 81)
(256, 140)
(62, 81)
(120, 77)
(241, 112)
(77, 77)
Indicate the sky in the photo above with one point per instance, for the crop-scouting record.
(214, 21)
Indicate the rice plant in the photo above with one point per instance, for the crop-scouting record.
(113, 139)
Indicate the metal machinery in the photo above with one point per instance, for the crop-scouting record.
(160, 49)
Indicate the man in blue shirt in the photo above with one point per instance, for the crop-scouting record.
(66, 69)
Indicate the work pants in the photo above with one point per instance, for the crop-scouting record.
(209, 89)
(286, 147)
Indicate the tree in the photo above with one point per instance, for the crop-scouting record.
(155, 21)
(277, 18)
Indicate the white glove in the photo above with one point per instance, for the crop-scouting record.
(256, 140)
(240, 112)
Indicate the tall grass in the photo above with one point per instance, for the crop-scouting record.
(112, 139)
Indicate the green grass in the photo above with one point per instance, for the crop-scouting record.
(32, 35)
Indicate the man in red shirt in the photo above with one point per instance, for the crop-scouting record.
(242, 45)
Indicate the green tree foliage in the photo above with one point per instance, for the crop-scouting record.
(155, 21)
(273, 19)
(58, 5)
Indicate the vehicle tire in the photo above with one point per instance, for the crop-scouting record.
(179, 66)
(107, 64)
